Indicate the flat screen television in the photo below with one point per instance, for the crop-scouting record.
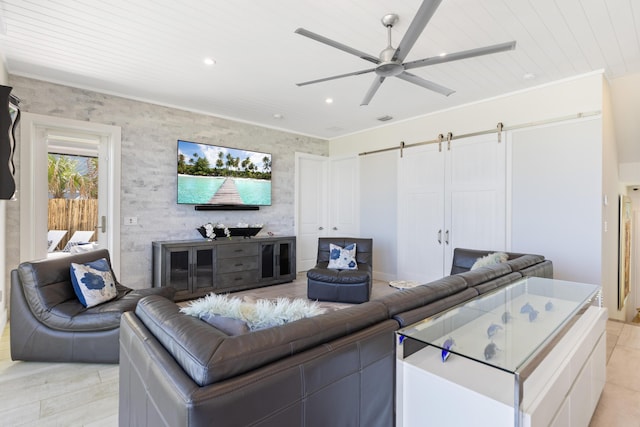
(211, 175)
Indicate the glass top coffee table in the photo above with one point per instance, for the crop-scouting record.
(510, 330)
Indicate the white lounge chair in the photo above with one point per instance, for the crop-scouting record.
(53, 239)
(78, 238)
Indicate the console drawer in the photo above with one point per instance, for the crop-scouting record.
(237, 250)
(244, 279)
(238, 264)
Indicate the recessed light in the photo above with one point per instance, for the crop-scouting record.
(529, 76)
(209, 61)
(278, 116)
(443, 54)
(329, 100)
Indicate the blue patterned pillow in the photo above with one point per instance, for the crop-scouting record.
(93, 282)
(342, 258)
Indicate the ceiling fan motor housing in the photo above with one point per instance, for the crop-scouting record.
(388, 68)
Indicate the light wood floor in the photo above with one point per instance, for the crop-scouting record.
(72, 394)
(56, 394)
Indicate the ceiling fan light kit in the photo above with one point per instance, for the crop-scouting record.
(390, 62)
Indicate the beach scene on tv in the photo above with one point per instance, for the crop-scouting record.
(210, 174)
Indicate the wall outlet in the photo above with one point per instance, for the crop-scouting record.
(130, 220)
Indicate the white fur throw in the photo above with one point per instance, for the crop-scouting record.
(262, 314)
(494, 258)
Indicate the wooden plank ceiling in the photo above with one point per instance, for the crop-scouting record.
(154, 51)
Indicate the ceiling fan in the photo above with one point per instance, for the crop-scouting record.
(390, 63)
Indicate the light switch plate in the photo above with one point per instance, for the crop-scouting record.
(130, 220)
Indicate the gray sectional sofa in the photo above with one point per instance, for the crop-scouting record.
(336, 369)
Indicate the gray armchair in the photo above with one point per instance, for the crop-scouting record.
(352, 286)
(48, 322)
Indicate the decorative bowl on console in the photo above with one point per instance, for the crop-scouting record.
(210, 231)
(246, 232)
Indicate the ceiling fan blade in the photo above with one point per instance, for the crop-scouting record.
(372, 90)
(420, 21)
(412, 78)
(487, 50)
(337, 45)
(355, 73)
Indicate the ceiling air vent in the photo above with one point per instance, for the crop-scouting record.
(384, 118)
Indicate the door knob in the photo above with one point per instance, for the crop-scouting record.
(440, 236)
(320, 228)
(335, 228)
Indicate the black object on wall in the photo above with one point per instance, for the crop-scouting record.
(9, 118)
(226, 208)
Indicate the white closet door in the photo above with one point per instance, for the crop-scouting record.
(312, 211)
(420, 214)
(475, 195)
(327, 201)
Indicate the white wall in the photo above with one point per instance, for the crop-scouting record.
(378, 213)
(556, 195)
(630, 172)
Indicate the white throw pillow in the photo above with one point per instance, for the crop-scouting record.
(342, 258)
(93, 282)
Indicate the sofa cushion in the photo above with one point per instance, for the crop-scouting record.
(498, 282)
(322, 273)
(342, 258)
(524, 261)
(410, 317)
(208, 355)
(47, 282)
(484, 274)
(49, 294)
(409, 299)
(228, 325)
(541, 269)
(463, 258)
(93, 282)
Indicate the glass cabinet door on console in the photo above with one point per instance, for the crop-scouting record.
(189, 269)
(202, 279)
(179, 265)
(278, 260)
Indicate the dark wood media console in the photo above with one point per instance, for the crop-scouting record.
(197, 267)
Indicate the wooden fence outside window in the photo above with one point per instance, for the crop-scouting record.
(73, 215)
